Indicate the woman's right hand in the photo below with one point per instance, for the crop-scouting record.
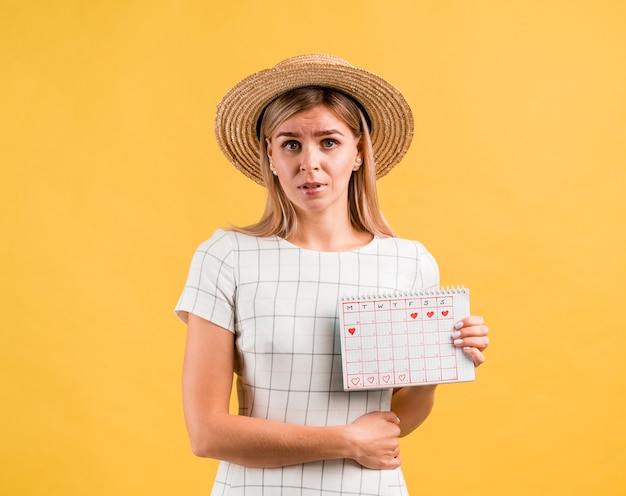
(375, 439)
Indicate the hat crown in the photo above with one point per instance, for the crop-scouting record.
(312, 58)
(387, 113)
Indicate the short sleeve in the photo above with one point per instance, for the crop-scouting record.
(210, 288)
(428, 269)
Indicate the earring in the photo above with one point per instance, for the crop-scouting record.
(358, 160)
(274, 171)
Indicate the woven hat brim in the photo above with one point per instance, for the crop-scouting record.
(239, 110)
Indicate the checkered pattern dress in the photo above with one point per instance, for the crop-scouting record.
(281, 302)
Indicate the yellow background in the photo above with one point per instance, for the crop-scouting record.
(110, 177)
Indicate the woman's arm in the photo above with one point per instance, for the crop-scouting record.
(412, 405)
(371, 440)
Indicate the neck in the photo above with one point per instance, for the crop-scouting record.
(329, 235)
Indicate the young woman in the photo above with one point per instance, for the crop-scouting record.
(261, 301)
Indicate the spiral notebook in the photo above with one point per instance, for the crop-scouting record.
(403, 339)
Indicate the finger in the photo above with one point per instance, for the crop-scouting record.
(470, 320)
(392, 417)
(395, 462)
(471, 336)
(474, 342)
(472, 330)
(475, 354)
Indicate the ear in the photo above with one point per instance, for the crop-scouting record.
(359, 155)
(359, 148)
(268, 147)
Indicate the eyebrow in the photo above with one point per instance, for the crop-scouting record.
(325, 132)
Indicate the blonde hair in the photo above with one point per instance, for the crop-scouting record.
(279, 217)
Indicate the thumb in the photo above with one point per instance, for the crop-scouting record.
(392, 417)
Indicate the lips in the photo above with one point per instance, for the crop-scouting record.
(311, 185)
(312, 188)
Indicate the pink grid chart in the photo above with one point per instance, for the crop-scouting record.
(403, 340)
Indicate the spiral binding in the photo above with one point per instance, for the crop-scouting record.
(444, 290)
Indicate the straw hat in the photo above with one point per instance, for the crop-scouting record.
(239, 111)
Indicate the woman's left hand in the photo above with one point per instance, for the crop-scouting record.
(471, 334)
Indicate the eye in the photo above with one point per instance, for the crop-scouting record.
(329, 143)
(291, 145)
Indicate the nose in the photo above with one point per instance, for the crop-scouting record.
(309, 160)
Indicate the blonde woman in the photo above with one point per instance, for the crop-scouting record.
(260, 302)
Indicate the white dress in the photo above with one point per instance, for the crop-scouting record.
(281, 303)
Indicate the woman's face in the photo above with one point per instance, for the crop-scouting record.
(314, 153)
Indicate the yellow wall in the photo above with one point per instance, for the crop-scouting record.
(110, 177)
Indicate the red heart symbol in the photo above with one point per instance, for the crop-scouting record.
(386, 378)
(414, 315)
(430, 314)
(370, 379)
(352, 330)
(402, 377)
(355, 380)
(444, 313)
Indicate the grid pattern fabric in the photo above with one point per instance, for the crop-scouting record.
(281, 302)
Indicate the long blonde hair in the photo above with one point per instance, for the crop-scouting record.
(279, 217)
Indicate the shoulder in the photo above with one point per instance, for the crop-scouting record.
(401, 247)
(225, 242)
(411, 256)
(219, 245)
